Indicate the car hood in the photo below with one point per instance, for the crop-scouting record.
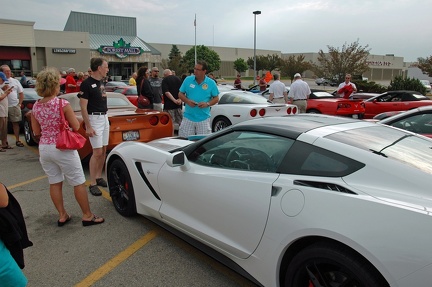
(169, 143)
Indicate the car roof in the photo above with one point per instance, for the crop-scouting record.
(426, 109)
(292, 125)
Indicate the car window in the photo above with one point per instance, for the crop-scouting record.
(241, 98)
(117, 102)
(306, 159)
(421, 124)
(243, 150)
(390, 143)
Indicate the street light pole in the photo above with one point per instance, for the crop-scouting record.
(255, 14)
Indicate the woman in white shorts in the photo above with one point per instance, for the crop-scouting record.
(56, 163)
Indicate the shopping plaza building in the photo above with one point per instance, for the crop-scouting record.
(115, 38)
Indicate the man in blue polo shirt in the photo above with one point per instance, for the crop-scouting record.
(199, 93)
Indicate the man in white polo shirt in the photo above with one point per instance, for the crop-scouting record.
(299, 93)
(15, 99)
(278, 93)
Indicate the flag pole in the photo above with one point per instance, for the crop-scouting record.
(195, 40)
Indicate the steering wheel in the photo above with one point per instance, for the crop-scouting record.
(238, 157)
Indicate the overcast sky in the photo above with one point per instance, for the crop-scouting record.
(399, 27)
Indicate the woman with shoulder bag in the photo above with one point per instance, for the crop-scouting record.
(145, 95)
(57, 163)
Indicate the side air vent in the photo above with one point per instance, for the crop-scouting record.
(324, 185)
(141, 172)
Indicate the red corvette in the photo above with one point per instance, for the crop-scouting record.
(321, 102)
(394, 101)
(130, 92)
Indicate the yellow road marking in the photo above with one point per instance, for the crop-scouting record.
(117, 260)
(27, 182)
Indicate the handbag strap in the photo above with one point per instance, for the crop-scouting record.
(63, 123)
(141, 86)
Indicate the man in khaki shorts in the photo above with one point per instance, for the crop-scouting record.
(15, 99)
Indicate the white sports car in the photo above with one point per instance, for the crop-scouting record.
(304, 200)
(238, 106)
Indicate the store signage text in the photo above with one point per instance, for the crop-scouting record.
(63, 51)
(121, 49)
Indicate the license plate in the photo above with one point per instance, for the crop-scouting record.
(131, 135)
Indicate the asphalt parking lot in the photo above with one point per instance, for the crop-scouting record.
(121, 252)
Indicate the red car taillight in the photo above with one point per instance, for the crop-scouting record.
(262, 112)
(294, 110)
(164, 119)
(154, 120)
(30, 106)
(253, 113)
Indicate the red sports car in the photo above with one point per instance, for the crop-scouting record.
(130, 92)
(321, 102)
(394, 101)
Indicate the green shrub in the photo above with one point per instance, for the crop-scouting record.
(369, 87)
(409, 84)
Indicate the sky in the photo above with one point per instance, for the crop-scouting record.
(399, 27)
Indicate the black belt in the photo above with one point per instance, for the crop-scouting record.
(97, 113)
(299, 100)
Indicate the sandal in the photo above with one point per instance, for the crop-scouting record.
(19, 143)
(2, 150)
(93, 221)
(62, 223)
(7, 147)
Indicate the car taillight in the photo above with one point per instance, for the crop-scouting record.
(164, 119)
(253, 113)
(289, 110)
(262, 112)
(30, 106)
(154, 120)
(294, 110)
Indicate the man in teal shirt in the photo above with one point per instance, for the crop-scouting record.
(199, 93)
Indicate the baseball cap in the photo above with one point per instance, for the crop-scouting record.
(297, 75)
(3, 77)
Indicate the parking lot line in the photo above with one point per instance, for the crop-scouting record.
(26, 182)
(117, 260)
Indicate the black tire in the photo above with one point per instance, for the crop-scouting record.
(313, 111)
(121, 188)
(28, 134)
(330, 264)
(220, 123)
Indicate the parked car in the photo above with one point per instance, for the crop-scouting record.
(427, 85)
(320, 102)
(256, 89)
(417, 120)
(238, 106)
(127, 123)
(325, 82)
(358, 95)
(130, 92)
(114, 85)
(30, 97)
(266, 93)
(303, 200)
(394, 101)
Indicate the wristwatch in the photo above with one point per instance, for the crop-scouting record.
(208, 105)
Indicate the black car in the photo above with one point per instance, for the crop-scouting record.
(30, 97)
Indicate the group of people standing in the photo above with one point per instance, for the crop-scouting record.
(198, 92)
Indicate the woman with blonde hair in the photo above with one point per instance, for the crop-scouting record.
(56, 163)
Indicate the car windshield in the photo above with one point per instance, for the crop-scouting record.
(242, 98)
(323, 95)
(425, 82)
(117, 84)
(30, 94)
(390, 143)
(117, 103)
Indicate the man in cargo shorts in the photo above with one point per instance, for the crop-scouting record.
(93, 102)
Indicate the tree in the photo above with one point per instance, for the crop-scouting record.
(273, 62)
(351, 59)
(240, 65)
(425, 65)
(294, 65)
(261, 62)
(174, 61)
(203, 53)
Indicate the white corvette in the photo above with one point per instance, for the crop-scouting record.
(304, 200)
(237, 106)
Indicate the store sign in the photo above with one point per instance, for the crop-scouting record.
(63, 51)
(120, 49)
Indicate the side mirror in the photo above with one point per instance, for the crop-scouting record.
(178, 159)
